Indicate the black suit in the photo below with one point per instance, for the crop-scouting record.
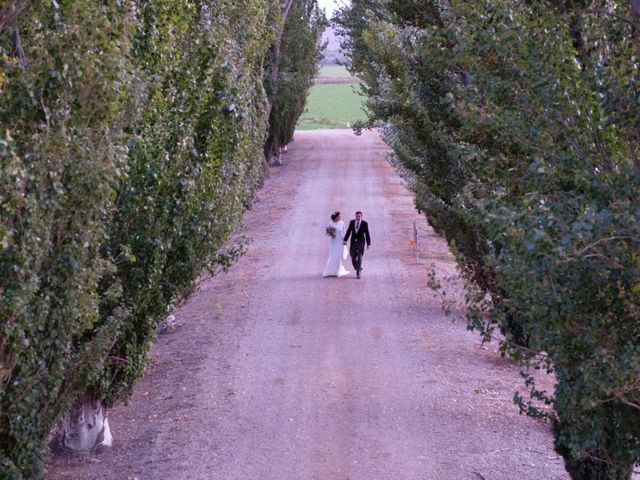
(358, 239)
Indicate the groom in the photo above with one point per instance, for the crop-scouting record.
(359, 232)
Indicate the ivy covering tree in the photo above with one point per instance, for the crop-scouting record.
(132, 138)
(518, 122)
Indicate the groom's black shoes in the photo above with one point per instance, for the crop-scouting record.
(358, 272)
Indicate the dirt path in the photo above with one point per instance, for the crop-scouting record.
(279, 374)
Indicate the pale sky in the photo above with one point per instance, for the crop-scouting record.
(330, 6)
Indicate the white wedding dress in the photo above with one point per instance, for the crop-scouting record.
(334, 267)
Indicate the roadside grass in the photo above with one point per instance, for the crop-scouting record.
(332, 105)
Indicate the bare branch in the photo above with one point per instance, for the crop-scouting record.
(613, 15)
(602, 240)
(9, 14)
(18, 51)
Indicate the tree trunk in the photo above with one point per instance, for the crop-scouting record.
(86, 427)
(277, 47)
(17, 50)
(285, 14)
(272, 82)
(9, 12)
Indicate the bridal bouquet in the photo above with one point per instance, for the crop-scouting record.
(331, 232)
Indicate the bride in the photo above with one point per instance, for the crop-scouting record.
(335, 230)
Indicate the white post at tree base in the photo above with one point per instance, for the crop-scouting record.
(415, 239)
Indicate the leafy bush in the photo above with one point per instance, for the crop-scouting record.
(131, 143)
(518, 121)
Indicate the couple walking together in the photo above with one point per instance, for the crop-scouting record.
(358, 231)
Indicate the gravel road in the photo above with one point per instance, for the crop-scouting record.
(279, 374)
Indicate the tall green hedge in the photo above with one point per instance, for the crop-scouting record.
(297, 67)
(518, 121)
(131, 142)
(61, 116)
(194, 164)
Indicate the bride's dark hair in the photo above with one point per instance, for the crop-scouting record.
(335, 215)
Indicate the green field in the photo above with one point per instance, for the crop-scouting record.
(332, 105)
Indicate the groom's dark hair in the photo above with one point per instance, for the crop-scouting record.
(359, 212)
